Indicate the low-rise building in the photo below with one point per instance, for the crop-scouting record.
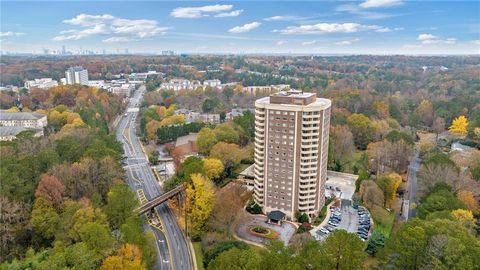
(124, 89)
(212, 83)
(10, 133)
(180, 84)
(191, 116)
(99, 84)
(23, 119)
(264, 90)
(9, 88)
(237, 112)
(43, 83)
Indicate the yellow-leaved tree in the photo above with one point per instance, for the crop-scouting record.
(465, 217)
(200, 202)
(459, 126)
(213, 167)
(129, 257)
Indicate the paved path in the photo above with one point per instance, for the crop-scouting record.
(413, 169)
(286, 230)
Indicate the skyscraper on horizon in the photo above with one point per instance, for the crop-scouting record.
(291, 151)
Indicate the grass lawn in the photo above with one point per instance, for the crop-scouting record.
(269, 233)
(383, 219)
(197, 246)
(351, 159)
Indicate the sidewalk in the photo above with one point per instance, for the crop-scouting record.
(324, 222)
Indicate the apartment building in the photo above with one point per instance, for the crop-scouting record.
(43, 83)
(76, 75)
(23, 119)
(291, 150)
(262, 90)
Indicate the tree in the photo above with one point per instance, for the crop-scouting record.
(345, 249)
(80, 256)
(465, 217)
(389, 185)
(219, 247)
(229, 153)
(371, 193)
(376, 241)
(121, 203)
(459, 126)
(425, 110)
(128, 257)
(469, 200)
(226, 133)
(406, 249)
(85, 216)
(200, 201)
(51, 189)
(439, 169)
(228, 208)
(440, 199)
(132, 232)
(192, 165)
(208, 105)
(385, 156)
(362, 129)
(206, 139)
(342, 143)
(247, 122)
(97, 237)
(234, 258)
(44, 219)
(213, 167)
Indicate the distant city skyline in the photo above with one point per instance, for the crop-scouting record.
(309, 27)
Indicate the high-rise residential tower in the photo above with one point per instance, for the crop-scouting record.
(291, 150)
(76, 75)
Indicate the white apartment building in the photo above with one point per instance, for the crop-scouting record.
(212, 83)
(267, 89)
(98, 84)
(291, 150)
(43, 83)
(76, 75)
(124, 89)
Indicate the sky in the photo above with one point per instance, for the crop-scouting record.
(239, 27)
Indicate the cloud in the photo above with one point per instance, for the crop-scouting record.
(284, 18)
(281, 42)
(476, 42)
(233, 13)
(307, 43)
(380, 3)
(117, 39)
(11, 34)
(322, 28)
(356, 10)
(102, 25)
(432, 39)
(347, 42)
(204, 11)
(244, 28)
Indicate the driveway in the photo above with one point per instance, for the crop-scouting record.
(285, 231)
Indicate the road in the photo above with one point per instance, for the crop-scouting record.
(412, 182)
(173, 251)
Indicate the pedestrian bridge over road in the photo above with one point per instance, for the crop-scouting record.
(160, 199)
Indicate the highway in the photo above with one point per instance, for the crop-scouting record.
(173, 251)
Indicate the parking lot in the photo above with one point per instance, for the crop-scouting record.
(353, 220)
